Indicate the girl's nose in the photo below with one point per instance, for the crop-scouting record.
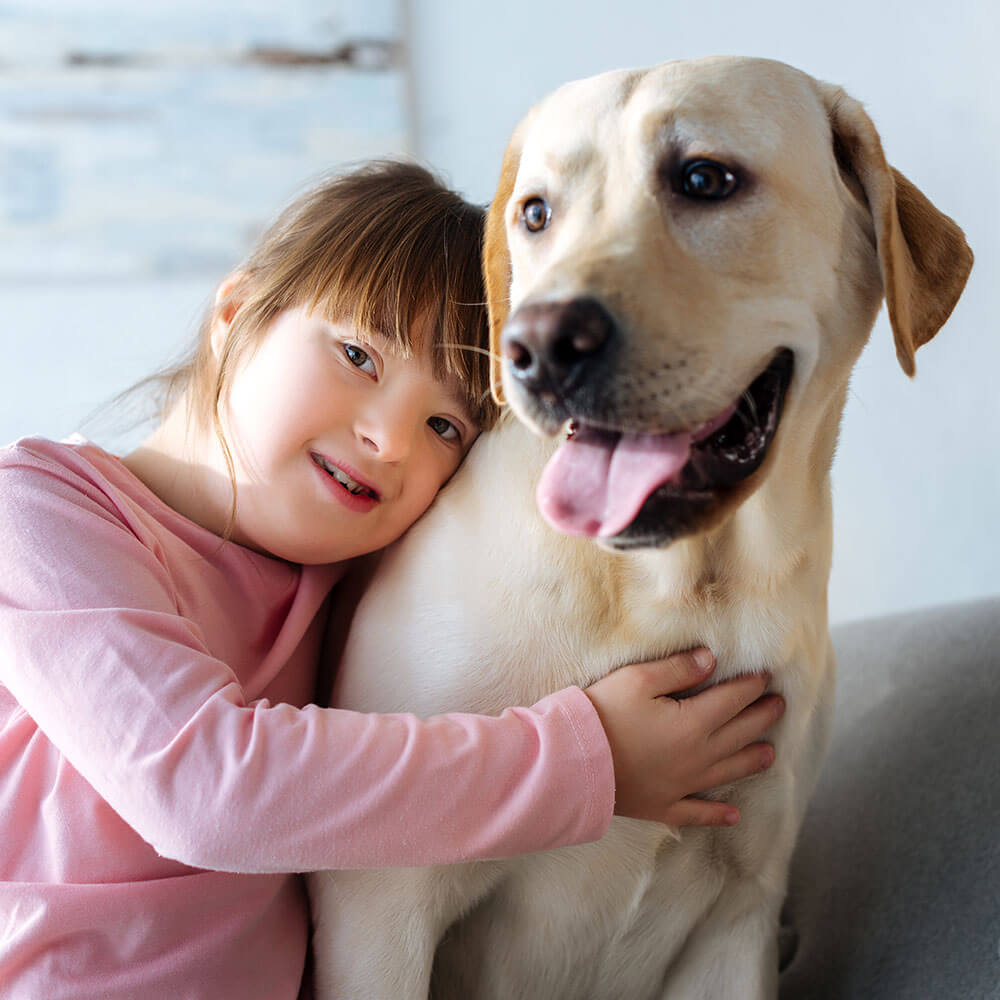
(387, 432)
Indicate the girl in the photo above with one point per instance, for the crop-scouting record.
(161, 768)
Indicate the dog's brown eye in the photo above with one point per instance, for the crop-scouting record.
(707, 180)
(536, 214)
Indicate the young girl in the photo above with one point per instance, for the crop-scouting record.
(161, 768)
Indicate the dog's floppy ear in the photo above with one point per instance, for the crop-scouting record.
(496, 263)
(922, 253)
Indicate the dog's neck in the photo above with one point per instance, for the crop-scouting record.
(755, 555)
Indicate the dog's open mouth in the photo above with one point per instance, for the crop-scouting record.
(599, 481)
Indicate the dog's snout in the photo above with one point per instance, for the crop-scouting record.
(550, 345)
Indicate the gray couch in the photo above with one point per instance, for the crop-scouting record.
(895, 888)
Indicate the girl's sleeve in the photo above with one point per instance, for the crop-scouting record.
(93, 648)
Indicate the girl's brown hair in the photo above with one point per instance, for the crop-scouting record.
(382, 247)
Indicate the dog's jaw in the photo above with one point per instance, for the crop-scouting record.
(659, 488)
(723, 471)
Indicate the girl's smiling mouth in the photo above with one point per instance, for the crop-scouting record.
(349, 483)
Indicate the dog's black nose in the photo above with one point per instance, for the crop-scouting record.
(552, 345)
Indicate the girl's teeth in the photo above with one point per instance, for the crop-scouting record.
(348, 483)
(345, 480)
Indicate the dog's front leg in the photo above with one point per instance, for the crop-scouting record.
(733, 953)
(375, 932)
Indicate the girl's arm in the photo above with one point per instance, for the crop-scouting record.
(93, 648)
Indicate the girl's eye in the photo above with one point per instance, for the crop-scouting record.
(359, 358)
(445, 428)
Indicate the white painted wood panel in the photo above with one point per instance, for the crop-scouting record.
(143, 140)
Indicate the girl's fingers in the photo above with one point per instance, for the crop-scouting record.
(700, 812)
(750, 760)
(720, 704)
(749, 725)
(676, 673)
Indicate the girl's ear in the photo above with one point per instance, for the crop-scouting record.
(228, 299)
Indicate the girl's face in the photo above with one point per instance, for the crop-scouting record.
(339, 443)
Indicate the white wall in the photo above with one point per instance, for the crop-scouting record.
(917, 478)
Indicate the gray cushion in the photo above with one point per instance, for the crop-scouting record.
(895, 887)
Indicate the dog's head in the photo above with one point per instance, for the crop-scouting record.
(683, 264)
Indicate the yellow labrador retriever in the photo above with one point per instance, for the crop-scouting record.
(683, 265)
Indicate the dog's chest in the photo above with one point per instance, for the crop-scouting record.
(620, 910)
(563, 625)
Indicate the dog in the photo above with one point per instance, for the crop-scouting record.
(683, 265)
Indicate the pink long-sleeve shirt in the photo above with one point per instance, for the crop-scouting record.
(161, 769)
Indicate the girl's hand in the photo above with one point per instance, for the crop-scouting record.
(665, 750)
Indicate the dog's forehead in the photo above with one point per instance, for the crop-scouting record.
(552, 135)
(723, 102)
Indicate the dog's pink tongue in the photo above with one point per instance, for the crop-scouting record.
(596, 482)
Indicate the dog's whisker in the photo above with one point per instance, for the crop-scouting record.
(751, 403)
(470, 347)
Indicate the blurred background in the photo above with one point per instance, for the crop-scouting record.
(143, 146)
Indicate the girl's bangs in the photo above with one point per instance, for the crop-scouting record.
(423, 291)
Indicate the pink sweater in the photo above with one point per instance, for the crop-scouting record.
(154, 724)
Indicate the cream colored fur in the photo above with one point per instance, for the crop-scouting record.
(491, 607)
